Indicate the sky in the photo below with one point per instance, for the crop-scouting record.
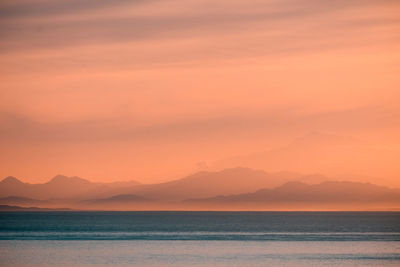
(154, 90)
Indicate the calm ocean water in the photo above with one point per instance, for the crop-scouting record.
(200, 238)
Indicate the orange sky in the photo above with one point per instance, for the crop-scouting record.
(153, 90)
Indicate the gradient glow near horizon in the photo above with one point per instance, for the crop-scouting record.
(154, 90)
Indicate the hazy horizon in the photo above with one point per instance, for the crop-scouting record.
(315, 177)
(229, 189)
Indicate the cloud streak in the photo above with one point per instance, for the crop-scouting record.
(32, 8)
(296, 21)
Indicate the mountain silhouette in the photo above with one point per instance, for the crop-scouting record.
(59, 187)
(235, 188)
(61, 180)
(293, 194)
(208, 184)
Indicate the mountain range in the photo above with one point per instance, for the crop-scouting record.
(236, 188)
(198, 185)
(59, 187)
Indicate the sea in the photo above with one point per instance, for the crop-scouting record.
(167, 238)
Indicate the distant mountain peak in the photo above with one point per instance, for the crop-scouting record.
(59, 177)
(65, 179)
(11, 180)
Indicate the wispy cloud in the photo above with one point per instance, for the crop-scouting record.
(269, 23)
(40, 8)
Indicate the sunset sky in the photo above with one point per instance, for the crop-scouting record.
(154, 90)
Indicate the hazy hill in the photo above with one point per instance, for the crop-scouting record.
(238, 188)
(295, 194)
(198, 185)
(58, 187)
(208, 184)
